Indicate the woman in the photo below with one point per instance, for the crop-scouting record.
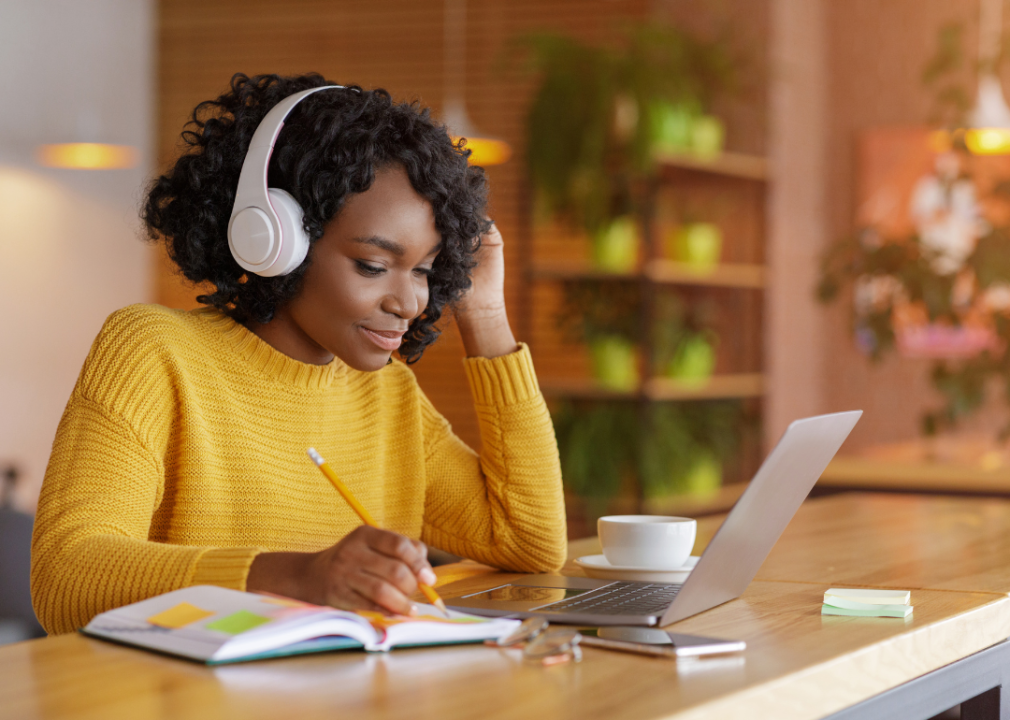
(180, 459)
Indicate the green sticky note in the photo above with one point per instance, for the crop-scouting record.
(237, 622)
(904, 611)
(892, 610)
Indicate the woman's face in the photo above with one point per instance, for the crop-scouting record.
(368, 278)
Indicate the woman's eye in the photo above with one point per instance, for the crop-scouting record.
(424, 271)
(366, 269)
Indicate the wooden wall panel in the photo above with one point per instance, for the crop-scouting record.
(395, 44)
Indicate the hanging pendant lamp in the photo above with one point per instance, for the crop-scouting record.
(989, 122)
(485, 150)
(88, 153)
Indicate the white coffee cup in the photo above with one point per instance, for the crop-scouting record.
(653, 542)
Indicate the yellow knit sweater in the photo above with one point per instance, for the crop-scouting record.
(181, 455)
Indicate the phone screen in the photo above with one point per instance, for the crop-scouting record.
(678, 643)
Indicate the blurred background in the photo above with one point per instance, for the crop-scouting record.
(720, 215)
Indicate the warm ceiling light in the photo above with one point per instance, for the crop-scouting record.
(88, 156)
(988, 141)
(486, 151)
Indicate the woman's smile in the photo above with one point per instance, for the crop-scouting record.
(386, 339)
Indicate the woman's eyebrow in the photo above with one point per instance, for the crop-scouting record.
(383, 244)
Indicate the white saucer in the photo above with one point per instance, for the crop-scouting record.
(596, 566)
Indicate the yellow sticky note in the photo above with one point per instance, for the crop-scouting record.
(179, 616)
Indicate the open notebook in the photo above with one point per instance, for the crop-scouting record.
(215, 625)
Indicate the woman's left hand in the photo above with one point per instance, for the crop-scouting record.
(480, 314)
(486, 297)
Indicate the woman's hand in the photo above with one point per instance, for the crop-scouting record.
(370, 569)
(480, 315)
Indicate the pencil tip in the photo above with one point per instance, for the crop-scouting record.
(440, 604)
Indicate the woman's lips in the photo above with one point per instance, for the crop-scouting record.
(388, 340)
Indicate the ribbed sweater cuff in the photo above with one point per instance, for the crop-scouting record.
(504, 380)
(224, 567)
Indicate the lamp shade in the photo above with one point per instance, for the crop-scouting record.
(485, 150)
(989, 122)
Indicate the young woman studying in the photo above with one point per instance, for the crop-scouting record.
(181, 457)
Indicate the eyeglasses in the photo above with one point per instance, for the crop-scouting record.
(543, 644)
(554, 646)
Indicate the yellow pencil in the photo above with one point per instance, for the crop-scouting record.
(429, 592)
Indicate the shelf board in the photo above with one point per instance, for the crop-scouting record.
(718, 386)
(720, 501)
(739, 165)
(577, 270)
(734, 275)
(723, 275)
(585, 388)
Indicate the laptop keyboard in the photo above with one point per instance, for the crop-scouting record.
(620, 598)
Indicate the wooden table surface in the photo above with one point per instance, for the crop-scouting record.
(798, 663)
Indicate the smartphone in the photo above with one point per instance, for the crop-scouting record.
(651, 641)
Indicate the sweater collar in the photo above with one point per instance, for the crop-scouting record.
(269, 360)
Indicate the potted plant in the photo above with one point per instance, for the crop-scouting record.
(606, 316)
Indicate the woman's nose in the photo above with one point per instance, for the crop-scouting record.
(403, 300)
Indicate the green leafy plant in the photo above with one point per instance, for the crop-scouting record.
(943, 75)
(678, 327)
(905, 272)
(604, 444)
(591, 123)
(593, 309)
(683, 434)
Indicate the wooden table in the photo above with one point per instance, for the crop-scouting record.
(798, 663)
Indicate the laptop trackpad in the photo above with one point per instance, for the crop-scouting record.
(528, 593)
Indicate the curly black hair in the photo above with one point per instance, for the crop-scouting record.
(331, 146)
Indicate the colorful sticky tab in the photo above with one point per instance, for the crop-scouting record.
(237, 622)
(179, 616)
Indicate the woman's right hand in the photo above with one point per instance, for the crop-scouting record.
(369, 569)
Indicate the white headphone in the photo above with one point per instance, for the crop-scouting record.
(265, 232)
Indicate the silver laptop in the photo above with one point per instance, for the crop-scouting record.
(724, 570)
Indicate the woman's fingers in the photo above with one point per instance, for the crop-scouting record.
(411, 553)
(382, 592)
(373, 568)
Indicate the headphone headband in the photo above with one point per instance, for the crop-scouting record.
(256, 233)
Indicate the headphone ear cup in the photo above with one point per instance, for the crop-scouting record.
(295, 241)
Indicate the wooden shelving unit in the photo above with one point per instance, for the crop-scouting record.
(730, 190)
(731, 275)
(728, 164)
